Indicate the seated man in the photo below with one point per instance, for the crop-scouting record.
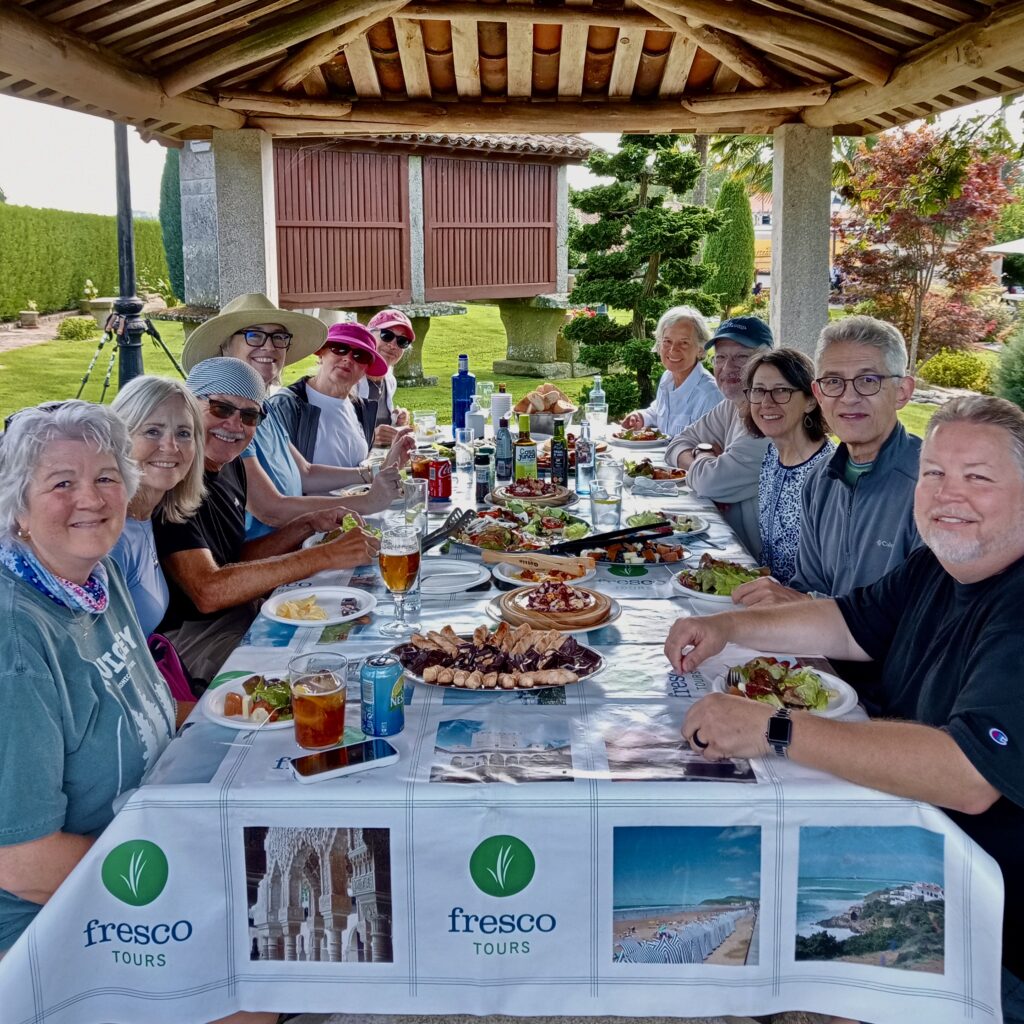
(857, 521)
(214, 575)
(943, 630)
(721, 457)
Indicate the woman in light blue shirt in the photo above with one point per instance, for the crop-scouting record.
(686, 390)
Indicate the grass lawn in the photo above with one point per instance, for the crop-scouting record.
(54, 370)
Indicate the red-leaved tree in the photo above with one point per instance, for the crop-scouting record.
(925, 204)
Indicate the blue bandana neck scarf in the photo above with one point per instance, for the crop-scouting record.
(92, 597)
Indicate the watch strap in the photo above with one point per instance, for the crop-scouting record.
(779, 733)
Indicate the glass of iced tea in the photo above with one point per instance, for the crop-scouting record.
(318, 683)
(399, 561)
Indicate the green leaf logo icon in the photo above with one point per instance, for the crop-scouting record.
(628, 570)
(502, 866)
(135, 872)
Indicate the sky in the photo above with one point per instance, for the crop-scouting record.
(915, 854)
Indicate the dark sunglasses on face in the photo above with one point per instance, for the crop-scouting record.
(398, 339)
(225, 410)
(359, 355)
(257, 339)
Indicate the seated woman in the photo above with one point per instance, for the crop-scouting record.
(253, 329)
(686, 390)
(394, 335)
(782, 408)
(166, 428)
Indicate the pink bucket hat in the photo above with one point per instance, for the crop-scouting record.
(357, 336)
(392, 318)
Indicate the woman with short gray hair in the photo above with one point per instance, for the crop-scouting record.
(686, 390)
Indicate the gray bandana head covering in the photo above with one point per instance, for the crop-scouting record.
(224, 375)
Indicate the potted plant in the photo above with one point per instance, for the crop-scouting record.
(89, 292)
(29, 316)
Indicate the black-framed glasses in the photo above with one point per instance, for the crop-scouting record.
(225, 410)
(359, 355)
(780, 395)
(865, 384)
(386, 334)
(256, 338)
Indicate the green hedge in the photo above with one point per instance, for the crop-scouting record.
(46, 255)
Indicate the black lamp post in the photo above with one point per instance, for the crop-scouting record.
(128, 323)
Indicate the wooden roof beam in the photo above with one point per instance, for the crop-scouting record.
(443, 11)
(55, 59)
(260, 103)
(267, 41)
(758, 99)
(757, 24)
(959, 59)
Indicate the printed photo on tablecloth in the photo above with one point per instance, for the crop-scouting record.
(635, 581)
(872, 896)
(531, 750)
(686, 895)
(265, 632)
(342, 631)
(550, 695)
(319, 894)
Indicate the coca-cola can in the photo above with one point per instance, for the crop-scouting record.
(439, 480)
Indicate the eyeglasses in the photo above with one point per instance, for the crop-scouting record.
(780, 395)
(257, 339)
(225, 410)
(359, 355)
(398, 339)
(865, 384)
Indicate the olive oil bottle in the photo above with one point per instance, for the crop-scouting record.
(524, 451)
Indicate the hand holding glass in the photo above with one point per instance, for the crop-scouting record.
(400, 566)
(317, 683)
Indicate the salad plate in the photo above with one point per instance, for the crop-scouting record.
(520, 526)
(513, 574)
(684, 524)
(839, 696)
(715, 579)
(212, 706)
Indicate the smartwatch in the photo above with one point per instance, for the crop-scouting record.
(779, 733)
(704, 448)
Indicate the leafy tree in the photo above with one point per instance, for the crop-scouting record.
(170, 220)
(3, 196)
(1009, 378)
(639, 254)
(925, 204)
(1011, 227)
(729, 252)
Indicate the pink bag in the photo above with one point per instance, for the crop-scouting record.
(171, 668)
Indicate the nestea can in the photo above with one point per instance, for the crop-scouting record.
(382, 688)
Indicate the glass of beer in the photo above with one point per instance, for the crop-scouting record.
(400, 567)
(318, 682)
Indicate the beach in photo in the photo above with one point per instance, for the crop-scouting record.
(471, 750)
(686, 895)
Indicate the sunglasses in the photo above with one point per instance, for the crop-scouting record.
(386, 334)
(225, 410)
(359, 355)
(257, 339)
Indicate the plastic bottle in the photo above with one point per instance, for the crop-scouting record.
(585, 458)
(525, 451)
(503, 456)
(463, 390)
(559, 455)
(476, 419)
(501, 405)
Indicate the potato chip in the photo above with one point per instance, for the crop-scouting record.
(306, 609)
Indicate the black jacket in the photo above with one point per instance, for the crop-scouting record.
(301, 419)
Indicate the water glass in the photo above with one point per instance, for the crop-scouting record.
(425, 424)
(484, 391)
(464, 448)
(416, 504)
(605, 505)
(317, 683)
(597, 413)
(399, 561)
(609, 471)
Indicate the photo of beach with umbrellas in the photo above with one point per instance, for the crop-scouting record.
(872, 896)
(686, 895)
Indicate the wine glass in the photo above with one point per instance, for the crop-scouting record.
(399, 561)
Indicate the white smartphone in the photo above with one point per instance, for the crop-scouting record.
(355, 757)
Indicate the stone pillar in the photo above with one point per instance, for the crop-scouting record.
(418, 281)
(562, 232)
(246, 228)
(199, 224)
(532, 328)
(801, 214)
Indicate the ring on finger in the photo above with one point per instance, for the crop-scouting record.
(697, 741)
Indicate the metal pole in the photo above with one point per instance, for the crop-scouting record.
(130, 326)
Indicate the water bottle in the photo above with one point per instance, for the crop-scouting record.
(585, 458)
(503, 452)
(463, 390)
(597, 409)
(597, 396)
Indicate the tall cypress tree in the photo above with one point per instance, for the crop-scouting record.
(637, 256)
(729, 252)
(170, 221)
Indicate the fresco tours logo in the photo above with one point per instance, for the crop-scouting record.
(502, 866)
(135, 872)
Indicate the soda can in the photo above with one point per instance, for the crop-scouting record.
(439, 480)
(382, 689)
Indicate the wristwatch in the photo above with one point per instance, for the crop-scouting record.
(779, 733)
(704, 448)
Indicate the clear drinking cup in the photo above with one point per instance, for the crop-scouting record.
(464, 437)
(605, 505)
(416, 504)
(317, 683)
(609, 471)
(425, 423)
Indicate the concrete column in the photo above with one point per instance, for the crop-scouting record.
(562, 232)
(416, 229)
(246, 218)
(801, 213)
(199, 224)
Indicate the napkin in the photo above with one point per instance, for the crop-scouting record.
(644, 485)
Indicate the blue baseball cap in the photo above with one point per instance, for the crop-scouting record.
(748, 331)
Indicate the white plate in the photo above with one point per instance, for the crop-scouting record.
(673, 517)
(325, 596)
(493, 610)
(504, 571)
(212, 705)
(440, 576)
(844, 697)
(637, 445)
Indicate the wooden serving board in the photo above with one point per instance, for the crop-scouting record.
(586, 618)
(561, 496)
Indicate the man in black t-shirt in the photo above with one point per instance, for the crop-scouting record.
(944, 632)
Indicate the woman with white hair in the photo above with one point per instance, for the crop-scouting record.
(686, 390)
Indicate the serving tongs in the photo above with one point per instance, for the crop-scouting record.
(540, 562)
(457, 520)
(652, 531)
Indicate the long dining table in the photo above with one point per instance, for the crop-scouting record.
(540, 852)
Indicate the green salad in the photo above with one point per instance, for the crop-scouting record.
(543, 522)
(719, 576)
(782, 686)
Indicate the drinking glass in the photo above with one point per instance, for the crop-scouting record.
(597, 413)
(399, 560)
(416, 505)
(484, 391)
(317, 683)
(425, 422)
(605, 505)
(609, 471)
(464, 448)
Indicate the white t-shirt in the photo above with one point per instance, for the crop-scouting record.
(339, 436)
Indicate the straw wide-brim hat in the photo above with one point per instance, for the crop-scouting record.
(308, 333)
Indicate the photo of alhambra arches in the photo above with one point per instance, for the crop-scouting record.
(319, 894)
(872, 896)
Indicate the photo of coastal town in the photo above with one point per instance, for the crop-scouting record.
(471, 750)
(872, 896)
(686, 895)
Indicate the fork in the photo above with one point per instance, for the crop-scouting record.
(733, 679)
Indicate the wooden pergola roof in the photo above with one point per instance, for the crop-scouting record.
(178, 68)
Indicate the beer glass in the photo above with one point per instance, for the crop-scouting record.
(318, 682)
(399, 561)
